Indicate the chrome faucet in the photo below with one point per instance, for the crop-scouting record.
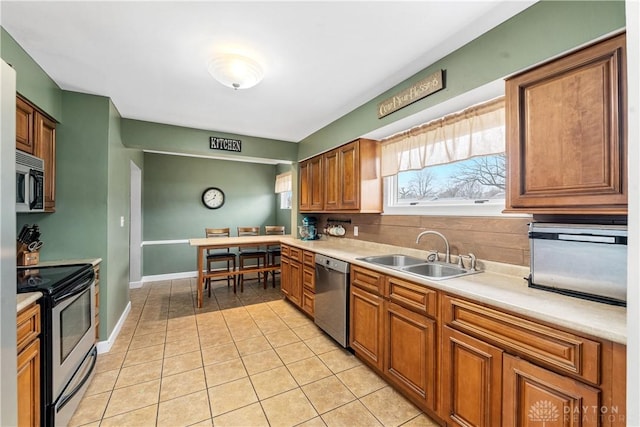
(447, 258)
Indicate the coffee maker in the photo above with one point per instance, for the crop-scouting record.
(308, 230)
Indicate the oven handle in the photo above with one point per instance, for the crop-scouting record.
(77, 388)
(77, 289)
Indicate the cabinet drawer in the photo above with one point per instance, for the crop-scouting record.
(367, 279)
(563, 351)
(284, 250)
(309, 278)
(415, 297)
(308, 301)
(28, 325)
(295, 254)
(309, 258)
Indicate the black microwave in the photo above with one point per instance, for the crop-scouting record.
(29, 183)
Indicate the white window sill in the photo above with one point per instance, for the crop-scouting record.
(484, 209)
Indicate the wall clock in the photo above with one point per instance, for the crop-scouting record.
(213, 198)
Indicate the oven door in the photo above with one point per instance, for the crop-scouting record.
(66, 404)
(73, 332)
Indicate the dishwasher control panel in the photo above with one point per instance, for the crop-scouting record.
(332, 263)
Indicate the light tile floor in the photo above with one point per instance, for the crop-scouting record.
(249, 359)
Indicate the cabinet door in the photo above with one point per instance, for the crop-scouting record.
(471, 380)
(366, 328)
(316, 184)
(349, 176)
(295, 290)
(24, 126)
(305, 188)
(566, 133)
(45, 148)
(410, 352)
(29, 385)
(534, 396)
(331, 181)
(285, 276)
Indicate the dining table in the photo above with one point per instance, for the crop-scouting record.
(206, 243)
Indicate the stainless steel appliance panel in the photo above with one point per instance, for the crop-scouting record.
(73, 334)
(66, 404)
(588, 261)
(331, 310)
(29, 183)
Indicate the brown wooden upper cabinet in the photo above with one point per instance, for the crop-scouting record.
(566, 133)
(24, 126)
(36, 135)
(311, 185)
(344, 179)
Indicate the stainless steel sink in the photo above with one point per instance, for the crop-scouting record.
(393, 260)
(419, 267)
(436, 271)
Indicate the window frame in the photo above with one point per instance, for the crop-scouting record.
(493, 207)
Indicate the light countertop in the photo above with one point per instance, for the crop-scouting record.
(24, 300)
(499, 285)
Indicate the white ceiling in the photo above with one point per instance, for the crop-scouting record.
(321, 59)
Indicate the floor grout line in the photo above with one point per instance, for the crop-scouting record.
(254, 315)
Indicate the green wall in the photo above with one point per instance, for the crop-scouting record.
(173, 210)
(544, 30)
(118, 205)
(78, 228)
(31, 82)
(176, 139)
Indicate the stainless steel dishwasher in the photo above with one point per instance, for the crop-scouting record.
(331, 311)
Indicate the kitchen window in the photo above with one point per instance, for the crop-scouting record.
(454, 165)
(283, 189)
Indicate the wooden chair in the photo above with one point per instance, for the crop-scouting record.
(273, 251)
(249, 253)
(220, 255)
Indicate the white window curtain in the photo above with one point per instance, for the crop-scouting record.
(283, 182)
(475, 131)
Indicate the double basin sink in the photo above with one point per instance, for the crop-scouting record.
(434, 270)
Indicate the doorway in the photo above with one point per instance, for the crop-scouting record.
(135, 232)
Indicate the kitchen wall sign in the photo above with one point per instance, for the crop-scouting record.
(425, 87)
(225, 144)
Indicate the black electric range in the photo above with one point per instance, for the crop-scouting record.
(50, 280)
(67, 335)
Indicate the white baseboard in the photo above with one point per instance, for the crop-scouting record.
(105, 346)
(135, 285)
(169, 276)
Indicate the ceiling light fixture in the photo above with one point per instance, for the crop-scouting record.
(236, 71)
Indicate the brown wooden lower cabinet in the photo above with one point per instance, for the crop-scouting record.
(366, 329)
(291, 280)
(534, 396)
(471, 380)
(297, 277)
(410, 352)
(308, 284)
(28, 381)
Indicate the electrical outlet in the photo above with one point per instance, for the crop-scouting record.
(355, 231)
(121, 221)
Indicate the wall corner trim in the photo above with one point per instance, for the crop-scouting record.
(105, 346)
